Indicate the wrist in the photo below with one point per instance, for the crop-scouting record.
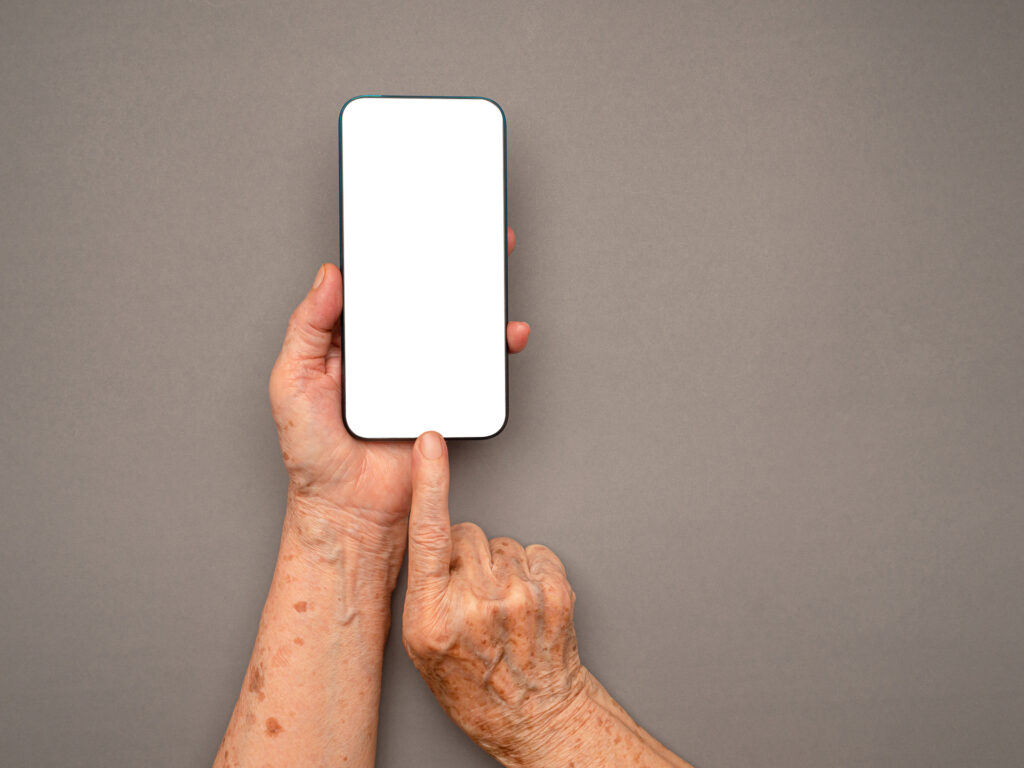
(593, 730)
(343, 540)
(556, 742)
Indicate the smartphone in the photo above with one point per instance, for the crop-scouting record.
(424, 255)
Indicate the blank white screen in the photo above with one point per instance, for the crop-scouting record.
(423, 259)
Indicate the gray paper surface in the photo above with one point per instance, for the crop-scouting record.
(771, 415)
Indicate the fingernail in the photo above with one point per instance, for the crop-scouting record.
(430, 445)
(320, 276)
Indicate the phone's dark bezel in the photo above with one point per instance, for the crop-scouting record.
(341, 258)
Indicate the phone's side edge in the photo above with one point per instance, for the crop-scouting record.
(504, 175)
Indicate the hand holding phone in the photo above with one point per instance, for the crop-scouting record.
(337, 481)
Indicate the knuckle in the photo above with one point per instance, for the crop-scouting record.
(421, 641)
(299, 333)
(538, 550)
(557, 564)
(519, 599)
(415, 642)
(504, 542)
(431, 486)
(295, 320)
(506, 549)
(428, 536)
(467, 530)
(545, 559)
(560, 600)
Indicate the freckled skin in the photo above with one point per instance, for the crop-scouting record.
(256, 678)
(489, 626)
(282, 655)
(256, 681)
(342, 545)
(500, 652)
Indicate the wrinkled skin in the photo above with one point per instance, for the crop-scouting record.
(312, 689)
(363, 483)
(489, 625)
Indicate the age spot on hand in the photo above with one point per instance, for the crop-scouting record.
(298, 641)
(300, 606)
(273, 727)
(281, 657)
(256, 681)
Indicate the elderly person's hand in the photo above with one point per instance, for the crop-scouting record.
(311, 692)
(489, 625)
(338, 483)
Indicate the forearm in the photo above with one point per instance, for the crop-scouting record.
(312, 688)
(595, 732)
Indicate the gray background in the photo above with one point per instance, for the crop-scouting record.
(771, 416)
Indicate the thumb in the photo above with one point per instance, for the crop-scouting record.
(430, 537)
(311, 325)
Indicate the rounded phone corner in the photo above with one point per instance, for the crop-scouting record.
(500, 429)
(341, 112)
(497, 106)
(349, 428)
